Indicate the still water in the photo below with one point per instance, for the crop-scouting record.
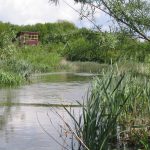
(36, 128)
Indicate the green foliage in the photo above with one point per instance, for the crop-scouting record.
(63, 39)
(8, 73)
(19, 66)
(7, 48)
(79, 49)
(9, 78)
(132, 16)
(114, 101)
(39, 58)
(89, 67)
(78, 44)
(101, 112)
(4, 26)
(49, 32)
(92, 46)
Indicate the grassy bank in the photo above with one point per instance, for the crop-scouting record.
(39, 58)
(26, 61)
(64, 47)
(18, 63)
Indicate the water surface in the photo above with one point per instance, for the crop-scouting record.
(30, 128)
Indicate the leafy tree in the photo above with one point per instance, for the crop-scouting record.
(7, 48)
(131, 15)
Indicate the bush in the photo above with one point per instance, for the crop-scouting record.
(7, 48)
(9, 78)
(20, 66)
(82, 49)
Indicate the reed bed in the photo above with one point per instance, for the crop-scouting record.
(116, 113)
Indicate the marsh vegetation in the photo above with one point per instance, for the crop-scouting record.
(117, 107)
(115, 113)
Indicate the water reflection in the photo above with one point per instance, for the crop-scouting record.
(53, 89)
(19, 128)
(63, 77)
(6, 111)
(23, 132)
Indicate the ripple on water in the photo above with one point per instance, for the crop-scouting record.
(19, 126)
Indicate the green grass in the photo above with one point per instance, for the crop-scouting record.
(133, 67)
(87, 67)
(40, 58)
(26, 61)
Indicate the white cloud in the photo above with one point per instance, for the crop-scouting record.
(33, 11)
(24, 12)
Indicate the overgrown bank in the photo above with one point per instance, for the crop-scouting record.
(117, 111)
(63, 41)
(18, 63)
(83, 44)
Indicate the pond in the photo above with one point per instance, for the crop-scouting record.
(25, 121)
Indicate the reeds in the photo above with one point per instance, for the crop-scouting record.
(115, 101)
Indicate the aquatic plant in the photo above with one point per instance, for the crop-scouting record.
(116, 112)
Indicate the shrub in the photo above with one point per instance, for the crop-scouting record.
(9, 78)
(79, 49)
(7, 48)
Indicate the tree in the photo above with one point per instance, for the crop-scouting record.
(131, 15)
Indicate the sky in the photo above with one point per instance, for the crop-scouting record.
(23, 12)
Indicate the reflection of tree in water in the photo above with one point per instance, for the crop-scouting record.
(62, 77)
(6, 112)
(4, 115)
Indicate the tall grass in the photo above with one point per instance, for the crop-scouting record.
(100, 113)
(134, 67)
(89, 67)
(40, 58)
(116, 112)
(25, 61)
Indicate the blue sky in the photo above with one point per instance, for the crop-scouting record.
(24, 12)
